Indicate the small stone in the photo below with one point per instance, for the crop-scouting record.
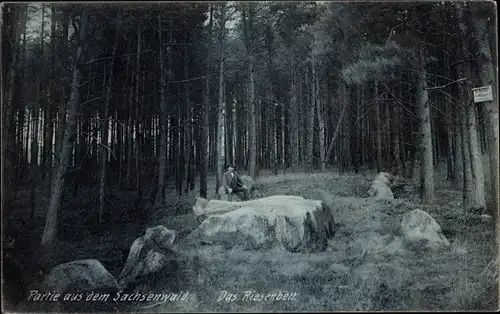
(486, 218)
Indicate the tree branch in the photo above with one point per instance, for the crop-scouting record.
(91, 100)
(399, 102)
(336, 133)
(202, 77)
(442, 86)
(120, 56)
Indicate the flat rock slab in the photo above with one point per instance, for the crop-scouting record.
(290, 222)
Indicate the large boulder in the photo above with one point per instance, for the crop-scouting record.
(148, 254)
(290, 222)
(68, 288)
(421, 232)
(78, 277)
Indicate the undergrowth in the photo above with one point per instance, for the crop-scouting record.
(364, 266)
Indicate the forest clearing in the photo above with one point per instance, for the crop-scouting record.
(357, 271)
(249, 156)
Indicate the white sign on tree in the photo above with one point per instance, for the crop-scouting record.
(483, 93)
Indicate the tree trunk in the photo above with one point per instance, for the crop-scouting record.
(20, 165)
(486, 75)
(36, 112)
(8, 129)
(283, 139)
(19, 148)
(61, 114)
(457, 155)
(466, 164)
(220, 109)
(362, 128)
(51, 96)
(258, 136)
(162, 146)
(427, 189)
(356, 122)
(271, 114)
(294, 124)
(230, 129)
(450, 129)
(301, 127)
(122, 128)
(475, 187)
(478, 201)
(321, 131)
(240, 129)
(137, 133)
(179, 156)
(34, 157)
(130, 143)
(248, 25)
(41, 97)
(172, 129)
(103, 213)
(395, 141)
(310, 122)
(389, 120)
(188, 123)
(28, 135)
(205, 114)
(378, 126)
(51, 223)
(450, 156)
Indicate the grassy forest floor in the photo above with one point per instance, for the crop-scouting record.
(358, 271)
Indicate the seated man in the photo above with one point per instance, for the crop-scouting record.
(232, 183)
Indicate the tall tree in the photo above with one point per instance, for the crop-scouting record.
(18, 21)
(189, 110)
(486, 75)
(378, 126)
(41, 102)
(49, 132)
(162, 146)
(427, 185)
(310, 117)
(104, 148)
(137, 131)
(248, 18)
(61, 113)
(220, 110)
(475, 185)
(205, 112)
(51, 222)
(321, 126)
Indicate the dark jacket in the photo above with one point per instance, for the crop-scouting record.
(232, 182)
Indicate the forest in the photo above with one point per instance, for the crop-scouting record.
(116, 114)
